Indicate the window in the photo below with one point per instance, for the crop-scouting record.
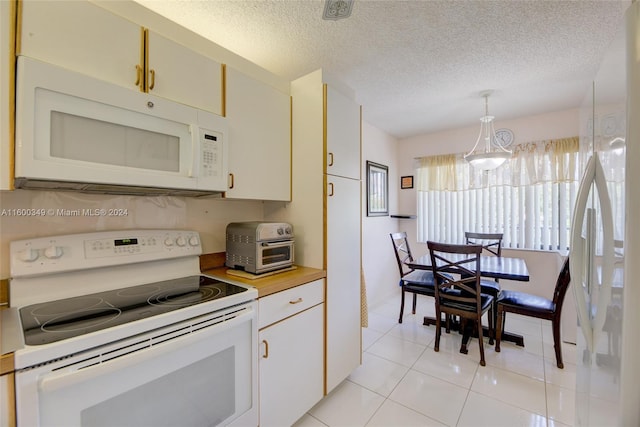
(530, 199)
(377, 189)
(533, 217)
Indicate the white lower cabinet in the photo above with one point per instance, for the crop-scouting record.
(291, 359)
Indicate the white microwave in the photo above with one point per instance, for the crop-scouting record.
(74, 132)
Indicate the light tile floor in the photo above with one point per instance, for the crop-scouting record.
(403, 382)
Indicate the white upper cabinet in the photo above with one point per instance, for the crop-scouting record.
(343, 135)
(183, 75)
(84, 37)
(259, 138)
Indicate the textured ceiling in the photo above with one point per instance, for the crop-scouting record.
(420, 66)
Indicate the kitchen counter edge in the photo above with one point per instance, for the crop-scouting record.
(271, 284)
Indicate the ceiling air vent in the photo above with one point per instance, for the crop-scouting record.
(337, 9)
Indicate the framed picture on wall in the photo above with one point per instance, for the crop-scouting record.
(377, 189)
(406, 182)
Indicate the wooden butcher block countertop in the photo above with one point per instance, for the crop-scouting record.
(269, 284)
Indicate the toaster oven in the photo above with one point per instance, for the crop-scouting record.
(259, 247)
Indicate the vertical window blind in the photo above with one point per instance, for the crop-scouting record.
(529, 199)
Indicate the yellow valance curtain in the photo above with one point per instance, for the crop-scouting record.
(438, 173)
(557, 160)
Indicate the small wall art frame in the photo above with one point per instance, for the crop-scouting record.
(377, 189)
(406, 182)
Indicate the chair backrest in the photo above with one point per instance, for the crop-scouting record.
(562, 284)
(403, 252)
(491, 242)
(463, 261)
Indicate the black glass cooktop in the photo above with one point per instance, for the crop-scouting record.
(53, 321)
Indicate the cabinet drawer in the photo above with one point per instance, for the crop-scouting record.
(283, 304)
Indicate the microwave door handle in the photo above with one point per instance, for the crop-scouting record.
(194, 169)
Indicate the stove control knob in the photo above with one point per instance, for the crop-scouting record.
(168, 241)
(181, 241)
(288, 231)
(53, 252)
(280, 231)
(28, 255)
(193, 241)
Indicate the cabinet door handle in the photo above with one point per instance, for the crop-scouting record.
(266, 349)
(297, 301)
(331, 191)
(138, 75)
(152, 73)
(231, 181)
(330, 159)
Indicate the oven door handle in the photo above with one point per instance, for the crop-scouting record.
(52, 382)
(276, 244)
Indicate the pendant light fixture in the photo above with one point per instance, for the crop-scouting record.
(491, 153)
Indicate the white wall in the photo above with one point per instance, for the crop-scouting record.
(378, 260)
(207, 216)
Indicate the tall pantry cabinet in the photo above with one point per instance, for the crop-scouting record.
(326, 209)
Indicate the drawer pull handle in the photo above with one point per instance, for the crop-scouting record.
(297, 301)
(266, 349)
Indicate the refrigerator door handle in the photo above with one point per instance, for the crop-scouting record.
(591, 327)
(577, 253)
(608, 251)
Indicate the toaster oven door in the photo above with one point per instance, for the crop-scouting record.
(274, 255)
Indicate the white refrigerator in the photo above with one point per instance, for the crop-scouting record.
(605, 240)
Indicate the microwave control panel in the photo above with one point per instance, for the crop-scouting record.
(211, 147)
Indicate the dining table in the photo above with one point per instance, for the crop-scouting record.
(508, 268)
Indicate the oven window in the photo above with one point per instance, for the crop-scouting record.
(175, 399)
(276, 255)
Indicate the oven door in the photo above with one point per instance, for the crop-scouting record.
(274, 255)
(200, 374)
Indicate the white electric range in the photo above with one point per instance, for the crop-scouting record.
(120, 328)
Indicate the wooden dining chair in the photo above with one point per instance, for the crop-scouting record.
(536, 306)
(417, 282)
(491, 245)
(460, 297)
(491, 242)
